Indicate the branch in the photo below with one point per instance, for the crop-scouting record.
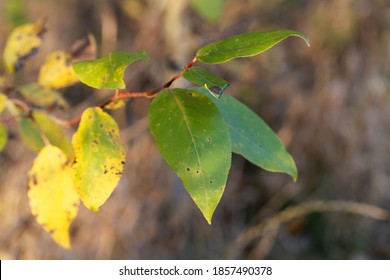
(126, 95)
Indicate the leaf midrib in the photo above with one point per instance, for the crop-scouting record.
(194, 144)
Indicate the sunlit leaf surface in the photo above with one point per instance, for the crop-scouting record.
(57, 71)
(99, 157)
(244, 45)
(194, 140)
(252, 138)
(107, 71)
(52, 197)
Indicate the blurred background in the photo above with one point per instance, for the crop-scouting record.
(330, 105)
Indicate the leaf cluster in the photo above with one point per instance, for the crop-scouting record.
(195, 129)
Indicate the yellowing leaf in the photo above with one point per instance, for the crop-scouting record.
(3, 136)
(116, 104)
(107, 71)
(3, 101)
(52, 197)
(43, 97)
(99, 157)
(22, 43)
(57, 71)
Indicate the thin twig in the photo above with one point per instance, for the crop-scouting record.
(271, 225)
(126, 95)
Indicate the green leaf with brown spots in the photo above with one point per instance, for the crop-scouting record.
(107, 71)
(194, 140)
(51, 194)
(99, 157)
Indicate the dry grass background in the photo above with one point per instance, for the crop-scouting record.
(329, 103)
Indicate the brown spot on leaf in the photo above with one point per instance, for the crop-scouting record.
(34, 179)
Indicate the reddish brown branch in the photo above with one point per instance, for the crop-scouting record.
(152, 93)
(126, 95)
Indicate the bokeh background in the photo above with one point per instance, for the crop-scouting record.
(330, 105)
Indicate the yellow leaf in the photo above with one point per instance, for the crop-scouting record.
(3, 101)
(99, 157)
(22, 43)
(57, 71)
(116, 104)
(52, 197)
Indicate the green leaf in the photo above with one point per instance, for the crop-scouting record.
(3, 101)
(30, 134)
(3, 136)
(54, 133)
(211, 10)
(32, 131)
(16, 12)
(252, 138)
(203, 78)
(99, 157)
(244, 45)
(52, 197)
(193, 138)
(43, 97)
(107, 71)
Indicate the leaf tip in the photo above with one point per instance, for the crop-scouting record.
(208, 219)
(144, 55)
(92, 207)
(294, 173)
(65, 243)
(302, 36)
(307, 41)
